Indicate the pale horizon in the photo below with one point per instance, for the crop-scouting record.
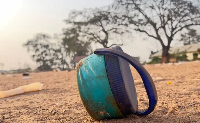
(21, 20)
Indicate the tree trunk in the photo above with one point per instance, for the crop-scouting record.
(165, 54)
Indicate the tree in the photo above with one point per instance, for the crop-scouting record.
(60, 56)
(155, 60)
(161, 20)
(73, 45)
(96, 25)
(198, 50)
(190, 37)
(51, 53)
(47, 54)
(41, 51)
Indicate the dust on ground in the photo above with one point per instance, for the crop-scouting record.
(59, 101)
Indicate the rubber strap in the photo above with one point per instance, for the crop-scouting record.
(147, 80)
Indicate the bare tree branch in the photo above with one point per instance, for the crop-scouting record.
(185, 26)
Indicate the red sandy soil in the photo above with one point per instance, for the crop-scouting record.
(59, 101)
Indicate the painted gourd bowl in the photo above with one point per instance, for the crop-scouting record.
(106, 84)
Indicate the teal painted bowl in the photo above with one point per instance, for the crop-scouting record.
(106, 84)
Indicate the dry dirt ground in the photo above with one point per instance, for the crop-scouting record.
(59, 101)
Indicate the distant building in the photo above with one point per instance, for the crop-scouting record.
(20, 71)
(189, 50)
(3, 71)
(77, 59)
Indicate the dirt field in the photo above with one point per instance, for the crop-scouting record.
(59, 101)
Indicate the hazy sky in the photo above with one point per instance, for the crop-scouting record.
(20, 20)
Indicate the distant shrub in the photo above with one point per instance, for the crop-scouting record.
(195, 56)
(155, 60)
(198, 50)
